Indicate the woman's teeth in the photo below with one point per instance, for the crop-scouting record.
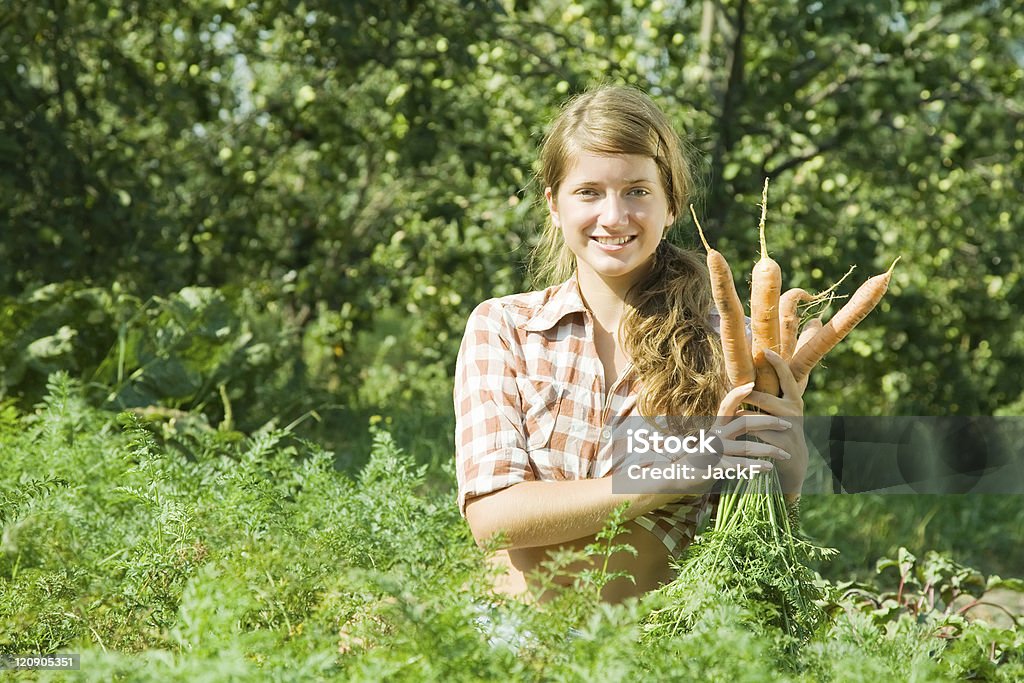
(613, 240)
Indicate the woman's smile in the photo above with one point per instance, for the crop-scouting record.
(613, 243)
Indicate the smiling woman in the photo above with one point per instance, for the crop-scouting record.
(626, 329)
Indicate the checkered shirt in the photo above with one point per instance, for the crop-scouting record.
(531, 404)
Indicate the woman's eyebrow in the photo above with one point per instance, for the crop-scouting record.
(635, 181)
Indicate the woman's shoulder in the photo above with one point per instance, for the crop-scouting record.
(532, 299)
(525, 309)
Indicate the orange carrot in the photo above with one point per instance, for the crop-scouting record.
(810, 329)
(789, 322)
(765, 286)
(733, 328)
(842, 323)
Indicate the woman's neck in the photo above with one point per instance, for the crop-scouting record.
(605, 297)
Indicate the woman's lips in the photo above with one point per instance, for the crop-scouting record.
(614, 245)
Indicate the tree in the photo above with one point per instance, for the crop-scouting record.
(365, 172)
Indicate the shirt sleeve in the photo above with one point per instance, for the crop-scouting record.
(490, 444)
(715, 320)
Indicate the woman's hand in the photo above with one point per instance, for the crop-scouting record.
(790, 407)
(733, 423)
(772, 447)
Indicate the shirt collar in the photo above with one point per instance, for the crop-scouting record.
(563, 300)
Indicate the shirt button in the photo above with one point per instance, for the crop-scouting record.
(606, 433)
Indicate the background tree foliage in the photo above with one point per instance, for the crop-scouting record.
(352, 178)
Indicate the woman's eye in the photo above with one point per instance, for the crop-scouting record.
(639, 192)
(586, 193)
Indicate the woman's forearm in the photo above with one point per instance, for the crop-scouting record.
(539, 513)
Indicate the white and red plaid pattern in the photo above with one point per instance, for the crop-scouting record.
(530, 404)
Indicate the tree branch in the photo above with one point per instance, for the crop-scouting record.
(837, 140)
(730, 103)
(808, 70)
(726, 25)
(707, 32)
(513, 37)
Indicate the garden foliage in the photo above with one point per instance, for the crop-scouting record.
(187, 553)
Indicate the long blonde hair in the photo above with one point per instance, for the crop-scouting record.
(665, 329)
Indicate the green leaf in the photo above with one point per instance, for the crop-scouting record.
(53, 346)
(1012, 584)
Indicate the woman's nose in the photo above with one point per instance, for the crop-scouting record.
(614, 211)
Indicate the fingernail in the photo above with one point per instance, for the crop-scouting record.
(785, 455)
(785, 424)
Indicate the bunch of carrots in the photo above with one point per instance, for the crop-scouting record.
(774, 319)
(753, 554)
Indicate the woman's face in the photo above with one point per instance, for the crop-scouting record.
(613, 212)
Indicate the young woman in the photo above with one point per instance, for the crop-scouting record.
(629, 330)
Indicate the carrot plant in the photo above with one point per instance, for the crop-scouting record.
(754, 555)
(176, 554)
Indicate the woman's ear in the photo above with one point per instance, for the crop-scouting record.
(552, 206)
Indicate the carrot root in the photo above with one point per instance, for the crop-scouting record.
(842, 323)
(789, 320)
(739, 365)
(765, 288)
(810, 329)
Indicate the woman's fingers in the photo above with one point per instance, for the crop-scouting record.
(777, 439)
(772, 405)
(734, 399)
(748, 421)
(790, 387)
(753, 449)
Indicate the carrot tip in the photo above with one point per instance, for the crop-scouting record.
(700, 230)
(764, 211)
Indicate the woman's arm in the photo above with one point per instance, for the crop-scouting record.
(539, 513)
